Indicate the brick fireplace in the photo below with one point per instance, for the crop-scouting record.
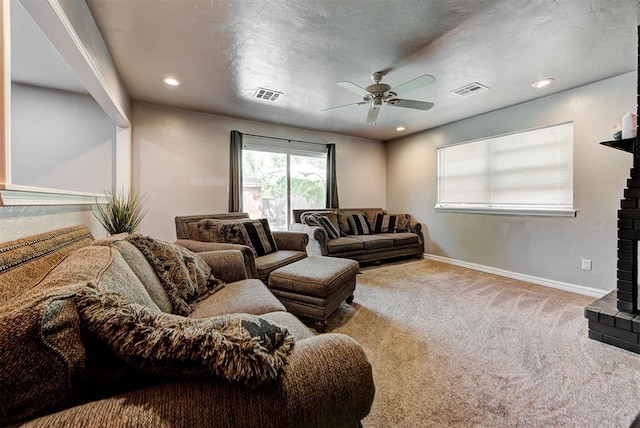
(614, 319)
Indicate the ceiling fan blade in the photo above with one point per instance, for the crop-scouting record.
(345, 105)
(418, 105)
(414, 84)
(354, 88)
(372, 116)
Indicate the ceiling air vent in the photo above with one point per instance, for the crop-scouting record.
(267, 94)
(470, 89)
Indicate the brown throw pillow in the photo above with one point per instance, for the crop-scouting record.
(238, 347)
(184, 275)
(211, 230)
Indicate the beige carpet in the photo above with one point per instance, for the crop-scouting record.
(451, 347)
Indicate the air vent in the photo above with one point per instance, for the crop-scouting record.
(470, 89)
(267, 94)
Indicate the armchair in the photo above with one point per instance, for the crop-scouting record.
(291, 245)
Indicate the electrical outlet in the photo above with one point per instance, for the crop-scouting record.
(586, 264)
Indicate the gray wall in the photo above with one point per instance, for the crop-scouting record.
(548, 248)
(181, 162)
(60, 140)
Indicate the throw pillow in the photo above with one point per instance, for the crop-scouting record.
(403, 223)
(184, 275)
(211, 230)
(257, 234)
(343, 220)
(238, 347)
(358, 224)
(323, 222)
(385, 223)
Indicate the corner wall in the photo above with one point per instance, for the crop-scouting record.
(548, 248)
(181, 162)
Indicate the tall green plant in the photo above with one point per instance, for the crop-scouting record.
(123, 212)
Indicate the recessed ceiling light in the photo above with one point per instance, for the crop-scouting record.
(400, 128)
(542, 83)
(171, 81)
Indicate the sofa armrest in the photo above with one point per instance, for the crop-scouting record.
(226, 265)
(295, 241)
(247, 252)
(327, 383)
(317, 236)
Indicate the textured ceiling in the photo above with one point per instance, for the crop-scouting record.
(223, 50)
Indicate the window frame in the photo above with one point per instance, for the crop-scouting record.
(543, 210)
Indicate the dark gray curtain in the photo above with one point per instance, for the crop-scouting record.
(235, 173)
(332, 182)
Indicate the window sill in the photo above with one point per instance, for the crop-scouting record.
(509, 211)
(13, 194)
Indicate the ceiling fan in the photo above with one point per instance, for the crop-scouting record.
(378, 93)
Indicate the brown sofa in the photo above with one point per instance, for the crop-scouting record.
(291, 245)
(55, 372)
(408, 241)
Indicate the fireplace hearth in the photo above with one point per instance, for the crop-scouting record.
(614, 319)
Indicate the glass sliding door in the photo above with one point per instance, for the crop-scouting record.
(276, 180)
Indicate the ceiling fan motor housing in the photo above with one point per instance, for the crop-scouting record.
(378, 88)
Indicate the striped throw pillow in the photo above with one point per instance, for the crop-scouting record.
(358, 224)
(385, 223)
(323, 222)
(258, 235)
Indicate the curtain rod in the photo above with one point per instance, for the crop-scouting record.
(284, 139)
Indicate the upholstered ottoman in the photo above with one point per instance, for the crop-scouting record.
(314, 287)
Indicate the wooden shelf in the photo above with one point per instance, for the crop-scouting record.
(624, 144)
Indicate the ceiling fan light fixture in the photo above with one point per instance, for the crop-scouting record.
(171, 81)
(542, 83)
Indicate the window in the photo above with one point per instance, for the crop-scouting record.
(526, 173)
(280, 176)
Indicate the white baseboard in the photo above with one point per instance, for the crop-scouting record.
(579, 289)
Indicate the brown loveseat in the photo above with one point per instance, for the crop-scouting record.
(55, 372)
(406, 240)
(194, 230)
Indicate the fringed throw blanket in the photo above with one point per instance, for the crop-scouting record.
(184, 275)
(238, 347)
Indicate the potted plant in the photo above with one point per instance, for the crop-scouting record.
(122, 212)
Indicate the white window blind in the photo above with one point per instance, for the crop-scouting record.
(529, 173)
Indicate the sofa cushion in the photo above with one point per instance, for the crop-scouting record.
(385, 223)
(344, 244)
(249, 296)
(257, 234)
(183, 274)
(372, 242)
(238, 347)
(140, 267)
(270, 262)
(105, 268)
(404, 238)
(359, 225)
(298, 330)
(43, 359)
